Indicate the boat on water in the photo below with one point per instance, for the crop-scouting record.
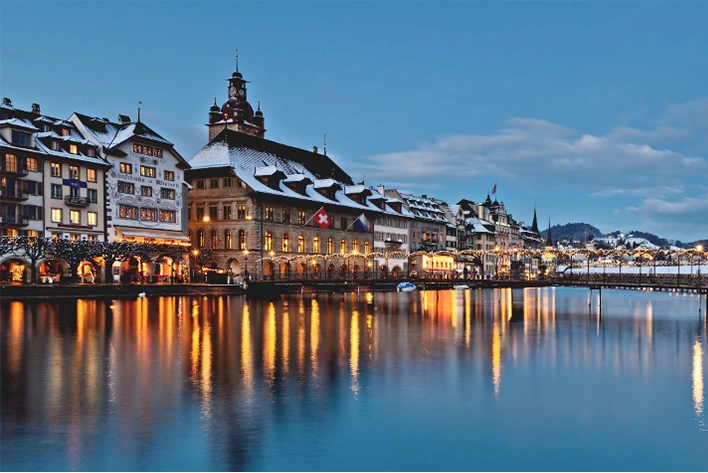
(461, 287)
(406, 287)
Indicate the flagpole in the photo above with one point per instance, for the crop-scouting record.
(313, 216)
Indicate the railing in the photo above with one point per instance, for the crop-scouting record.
(11, 193)
(13, 220)
(14, 171)
(76, 201)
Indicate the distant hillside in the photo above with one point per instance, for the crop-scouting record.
(693, 244)
(573, 231)
(658, 241)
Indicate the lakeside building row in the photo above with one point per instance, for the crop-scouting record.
(257, 206)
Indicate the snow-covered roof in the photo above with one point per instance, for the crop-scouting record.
(356, 189)
(325, 183)
(261, 171)
(477, 225)
(19, 123)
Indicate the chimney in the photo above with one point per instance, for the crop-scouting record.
(314, 149)
(6, 101)
(35, 108)
(424, 196)
(123, 119)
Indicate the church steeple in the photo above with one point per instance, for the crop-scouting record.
(534, 224)
(236, 113)
(549, 240)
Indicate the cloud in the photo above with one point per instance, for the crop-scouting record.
(546, 153)
(692, 206)
(687, 216)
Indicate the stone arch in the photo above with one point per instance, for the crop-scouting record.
(316, 270)
(330, 271)
(14, 269)
(234, 266)
(301, 269)
(88, 271)
(285, 270)
(396, 272)
(267, 269)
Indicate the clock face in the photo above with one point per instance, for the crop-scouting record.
(241, 92)
(232, 91)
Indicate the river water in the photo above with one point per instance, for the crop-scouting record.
(532, 379)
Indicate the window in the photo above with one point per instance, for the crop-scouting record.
(227, 212)
(147, 171)
(213, 184)
(56, 169)
(301, 243)
(344, 223)
(92, 195)
(301, 217)
(367, 247)
(213, 212)
(74, 172)
(91, 175)
(355, 246)
(147, 150)
(65, 132)
(227, 240)
(269, 213)
(268, 241)
(166, 193)
(20, 138)
(126, 168)
(228, 182)
(241, 212)
(241, 240)
(73, 149)
(286, 216)
(31, 164)
(10, 163)
(137, 148)
(286, 243)
(55, 146)
(168, 216)
(127, 211)
(330, 245)
(200, 238)
(56, 191)
(343, 246)
(126, 187)
(90, 152)
(214, 242)
(157, 152)
(189, 213)
(316, 245)
(148, 214)
(75, 217)
(200, 213)
(56, 215)
(169, 175)
(200, 184)
(92, 219)
(146, 191)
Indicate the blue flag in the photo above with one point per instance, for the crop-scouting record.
(361, 224)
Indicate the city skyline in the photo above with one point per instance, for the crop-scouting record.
(571, 107)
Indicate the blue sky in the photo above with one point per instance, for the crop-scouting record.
(595, 111)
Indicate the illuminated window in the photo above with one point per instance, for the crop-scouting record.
(367, 247)
(126, 187)
(301, 243)
(227, 240)
(92, 219)
(241, 240)
(355, 246)
(286, 243)
(343, 246)
(56, 215)
(168, 216)
(200, 238)
(91, 175)
(126, 168)
(56, 169)
(75, 217)
(268, 241)
(301, 217)
(241, 212)
(137, 148)
(74, 172)
(330, 245)
(169, 175)
(128, 211)
(147, 150)
(148, 171)
(213, 240)
(65, 132)
(168, 194)
(10, 163)
(316, 244)
(73, 149)
(269, 213)
(31, 164)
(148, 214)
(286, 216)
(146, 191)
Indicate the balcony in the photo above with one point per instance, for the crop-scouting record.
(20, 172)
(9, 193)
(13, 221)
(76, 201)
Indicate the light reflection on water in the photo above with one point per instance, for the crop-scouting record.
(535, 379)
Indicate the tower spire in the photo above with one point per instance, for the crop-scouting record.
(534, 224)
(140, 102)
(325, 144)
(549, 240)
(236, 59)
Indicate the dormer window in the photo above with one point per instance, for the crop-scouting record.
(65, 132)
(55, 145)
(73, 149)
(90, 152)
(20, 138)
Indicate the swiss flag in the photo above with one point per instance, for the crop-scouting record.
(321, 218)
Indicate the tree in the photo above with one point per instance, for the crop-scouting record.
(34, 249)
(146, 252)
(74, 252)
(7, 245)
(111, 252)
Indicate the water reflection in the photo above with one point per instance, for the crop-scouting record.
(229, 384)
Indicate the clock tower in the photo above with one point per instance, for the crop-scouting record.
(236, 113)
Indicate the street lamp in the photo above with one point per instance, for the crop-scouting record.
(245, 259)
